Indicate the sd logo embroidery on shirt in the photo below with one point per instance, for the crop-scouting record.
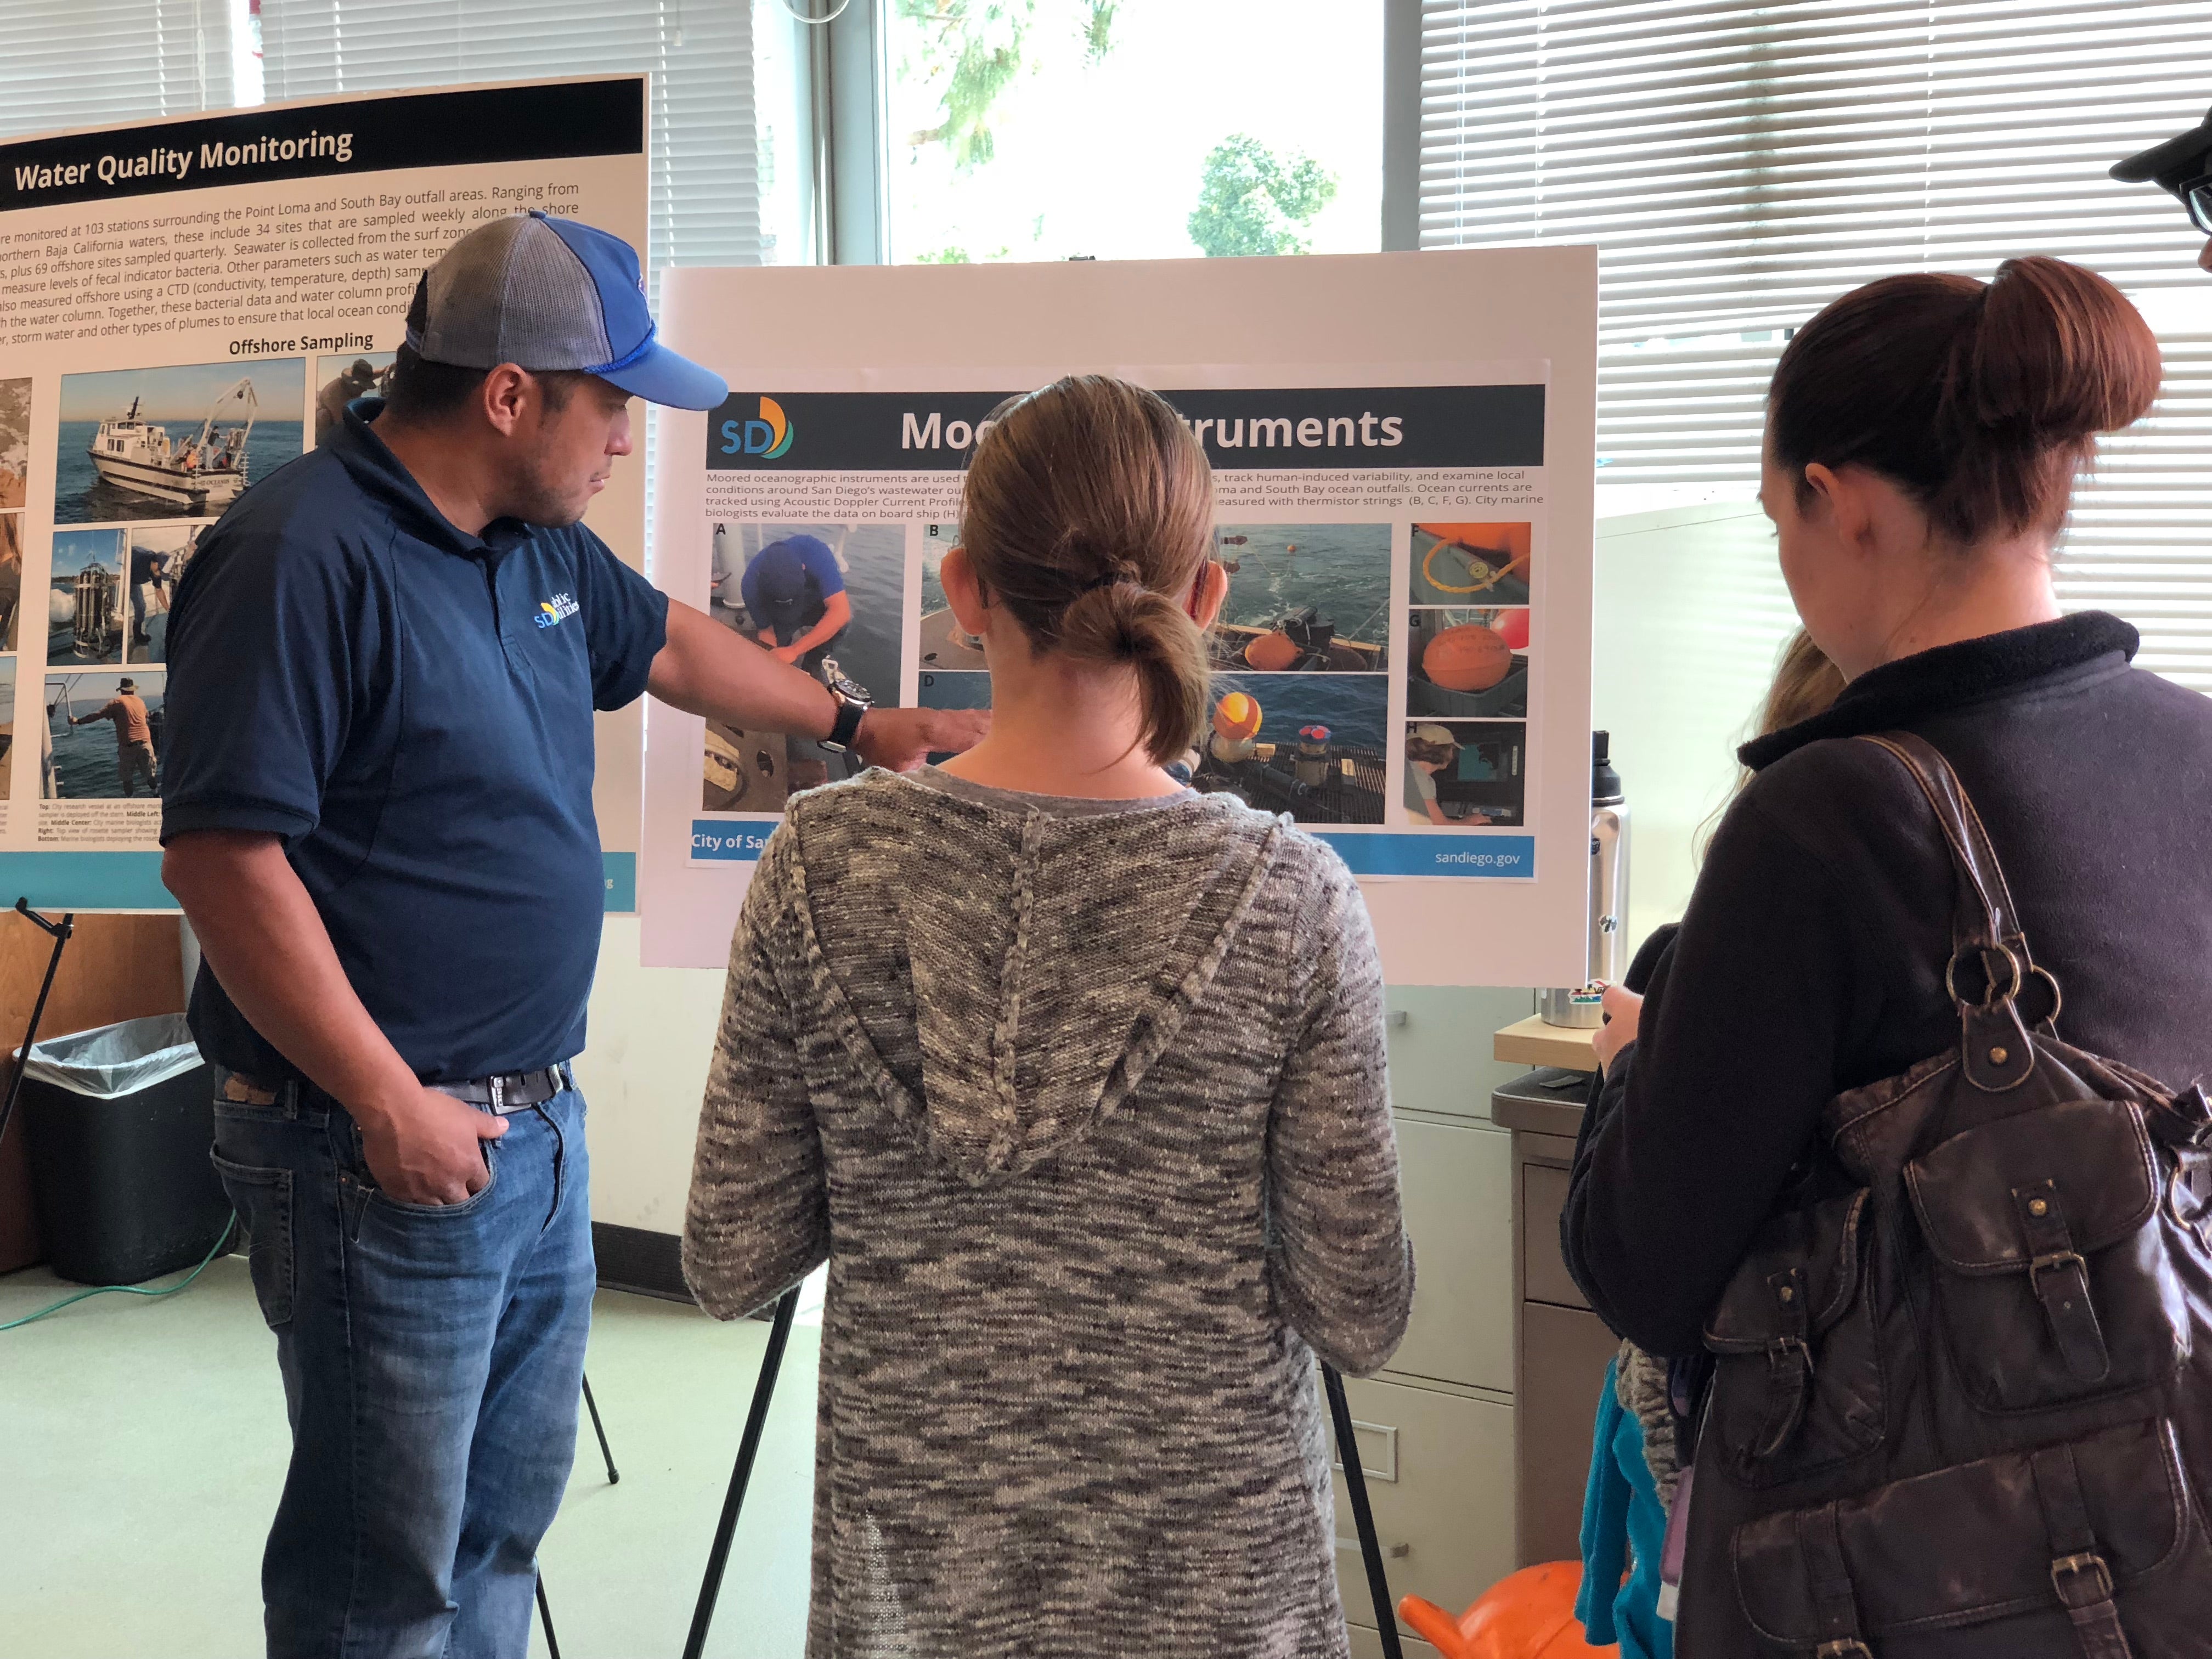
(557, 609)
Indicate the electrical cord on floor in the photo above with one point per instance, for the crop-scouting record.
(230, 1227)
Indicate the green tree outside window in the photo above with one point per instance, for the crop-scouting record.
(1252, 201)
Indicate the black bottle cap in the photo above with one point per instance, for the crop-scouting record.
(1605, 783)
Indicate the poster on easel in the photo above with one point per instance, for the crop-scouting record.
(186, 305)
(1402, 665)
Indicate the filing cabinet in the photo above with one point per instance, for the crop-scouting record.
(1438, 1465)
(1561, 1348)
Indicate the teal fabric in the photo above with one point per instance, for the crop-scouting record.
(1623, 1529)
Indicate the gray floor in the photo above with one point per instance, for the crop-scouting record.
(143, 1443)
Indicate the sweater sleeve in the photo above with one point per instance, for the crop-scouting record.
(1736, 1053)
(1340, 1264)
(758, 1218)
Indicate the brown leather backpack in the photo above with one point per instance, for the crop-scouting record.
(1962, 1401)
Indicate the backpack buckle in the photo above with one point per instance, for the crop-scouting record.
(2069, 1572)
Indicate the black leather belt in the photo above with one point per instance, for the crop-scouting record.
(510, 1088)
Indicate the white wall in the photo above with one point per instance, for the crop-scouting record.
(644, 1073)
(1692, 614)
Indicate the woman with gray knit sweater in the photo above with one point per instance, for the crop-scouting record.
(1075, 1079)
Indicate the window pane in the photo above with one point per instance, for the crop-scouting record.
(1050, 129)
(783, 136)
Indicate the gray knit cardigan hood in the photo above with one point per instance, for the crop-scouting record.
(1085, 1105)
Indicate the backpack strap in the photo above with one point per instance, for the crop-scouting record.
(1819, 1540)
(2078, 1573)
(1991, 973)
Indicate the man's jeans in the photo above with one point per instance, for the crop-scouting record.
(432, 1358)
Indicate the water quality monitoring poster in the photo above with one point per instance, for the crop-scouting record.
(1402, 666)
(185, 307)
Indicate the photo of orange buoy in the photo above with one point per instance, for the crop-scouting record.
(1236, 717)
(1468, 657)
(1273, 653)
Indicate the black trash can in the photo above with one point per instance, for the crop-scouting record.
(118, 1122)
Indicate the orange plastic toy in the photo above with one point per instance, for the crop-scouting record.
(1530, 1615)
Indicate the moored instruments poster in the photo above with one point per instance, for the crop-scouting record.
(1403, 507)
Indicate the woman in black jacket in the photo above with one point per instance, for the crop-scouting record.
(1923, 435)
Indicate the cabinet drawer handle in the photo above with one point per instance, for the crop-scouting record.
(1395, 1552)
(1388, 1471)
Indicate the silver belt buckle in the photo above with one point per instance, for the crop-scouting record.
(498, 1085)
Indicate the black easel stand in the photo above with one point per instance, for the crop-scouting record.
(614, 1475)
(1355, 1483)
(545, 1618)
(718, 1559)
(61, 933)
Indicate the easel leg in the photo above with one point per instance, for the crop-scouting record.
(718, 1559)
(614, 1476)
(545, 1618)
(1355, 1483)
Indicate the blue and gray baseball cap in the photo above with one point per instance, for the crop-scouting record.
(552, 293)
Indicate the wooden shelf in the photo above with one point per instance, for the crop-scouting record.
(1532, 1042)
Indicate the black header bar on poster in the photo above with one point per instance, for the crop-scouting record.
(316, 140)
(1324, 430)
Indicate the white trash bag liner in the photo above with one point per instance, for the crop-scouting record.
(116, 1060)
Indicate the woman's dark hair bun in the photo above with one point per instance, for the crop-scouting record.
(1981, 399)
(2059, 353)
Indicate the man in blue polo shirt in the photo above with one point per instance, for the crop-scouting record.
(377, 789)
(795, 595)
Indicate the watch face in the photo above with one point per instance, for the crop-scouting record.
(845, 688)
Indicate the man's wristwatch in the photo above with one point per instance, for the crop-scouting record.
(852, 709)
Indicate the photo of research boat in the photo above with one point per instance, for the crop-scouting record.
(205, 473)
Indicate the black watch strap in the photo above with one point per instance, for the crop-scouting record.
(849, 716)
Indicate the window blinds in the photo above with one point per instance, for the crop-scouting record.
(1739, 165)
(92, 62)
(706, 194)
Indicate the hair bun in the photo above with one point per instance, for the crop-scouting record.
(2057, 355)
(1981, 400)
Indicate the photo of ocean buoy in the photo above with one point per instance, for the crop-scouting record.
(14, 442)
(1461, 664)
(824, 597)
(1465, 772)
(1301, 599)
(173, 443)
(1308, 744)
(1304, 598)
(1472, 564)
(86, 613)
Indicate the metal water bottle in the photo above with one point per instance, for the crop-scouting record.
(1581, 1006)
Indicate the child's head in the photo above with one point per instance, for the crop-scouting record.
(1087, 516)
